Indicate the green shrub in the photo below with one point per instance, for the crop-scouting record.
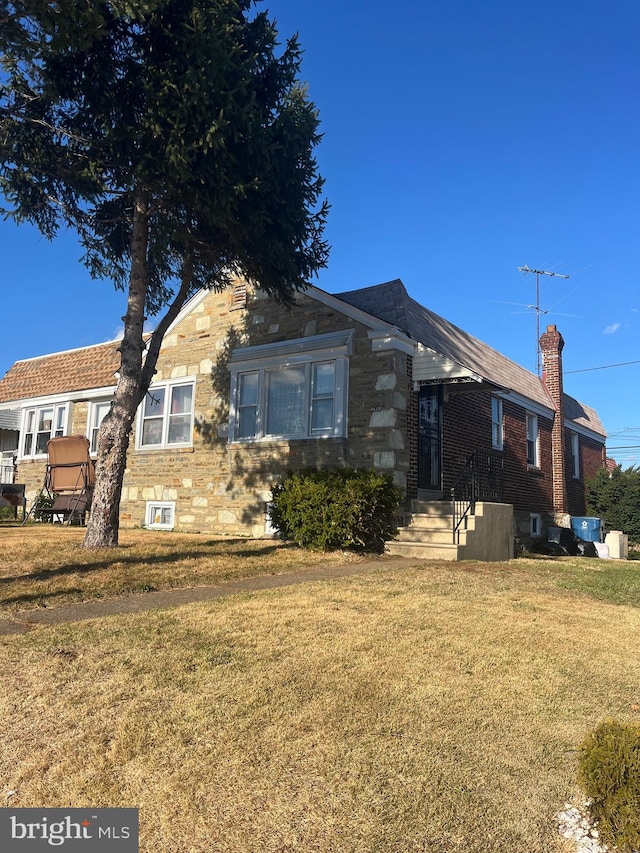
(6, 512)
(327, 509)
(43, 501)
(609, 774)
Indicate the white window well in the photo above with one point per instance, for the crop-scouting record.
(165, 417)
(160, 515)
(291, 389)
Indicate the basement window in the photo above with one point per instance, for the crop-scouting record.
(160, 515)
(535, 525)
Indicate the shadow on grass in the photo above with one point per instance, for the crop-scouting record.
(206, 550)
(74, 594)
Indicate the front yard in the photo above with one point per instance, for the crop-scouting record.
(432, 708)
(43, 565)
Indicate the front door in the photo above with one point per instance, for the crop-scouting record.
(430, 440)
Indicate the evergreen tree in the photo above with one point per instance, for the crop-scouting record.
(176, 138)
(615, 497)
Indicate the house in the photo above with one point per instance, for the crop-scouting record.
(246, 390)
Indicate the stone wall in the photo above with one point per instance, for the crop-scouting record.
(223, 487)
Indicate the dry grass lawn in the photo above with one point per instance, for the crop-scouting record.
(428, 709)
(43, 565)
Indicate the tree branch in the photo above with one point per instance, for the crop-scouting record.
(155, 342)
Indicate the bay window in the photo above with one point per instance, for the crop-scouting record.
(294, 389)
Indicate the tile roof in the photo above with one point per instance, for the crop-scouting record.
(61, 372)
(391, 303)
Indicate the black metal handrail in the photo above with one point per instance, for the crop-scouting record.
(481, 479)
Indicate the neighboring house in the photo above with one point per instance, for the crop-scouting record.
(246, 390)
(9, 438)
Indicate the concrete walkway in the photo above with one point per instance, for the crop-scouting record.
(19, 623)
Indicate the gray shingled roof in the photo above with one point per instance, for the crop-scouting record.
(391, 303)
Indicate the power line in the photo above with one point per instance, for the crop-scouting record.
(605, 367)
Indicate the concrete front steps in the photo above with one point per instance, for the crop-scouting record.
(488, 534)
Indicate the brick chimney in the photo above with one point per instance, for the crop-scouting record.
(551, 345)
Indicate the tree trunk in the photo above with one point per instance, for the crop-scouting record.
(114, 435)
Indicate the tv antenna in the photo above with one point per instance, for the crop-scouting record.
(525, 269)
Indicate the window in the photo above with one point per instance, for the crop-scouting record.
(535, 525)
(575, 454)
(295, 401)
(496, 423)
(166, 416)
(160, 515)
(96, 416)
(532, 440)
(42, 424)
(292, 389)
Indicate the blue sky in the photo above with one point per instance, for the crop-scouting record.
(462, 140)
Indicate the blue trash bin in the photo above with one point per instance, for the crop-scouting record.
(587, 529)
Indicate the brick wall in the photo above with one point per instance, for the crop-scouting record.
(467, 427)
(529, 489)
(591, 460)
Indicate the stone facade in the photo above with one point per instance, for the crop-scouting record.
(218, 484)
(223, 487)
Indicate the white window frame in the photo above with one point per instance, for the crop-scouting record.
(152, 510)
(532, 440)
(535, 525)
(94, 420)
(302, 355)
(167, 388)
(497, 424)
(61, 412)
(575, 454)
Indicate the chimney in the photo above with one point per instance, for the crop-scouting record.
(551, 345)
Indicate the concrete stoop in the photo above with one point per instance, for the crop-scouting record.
(488, 535)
